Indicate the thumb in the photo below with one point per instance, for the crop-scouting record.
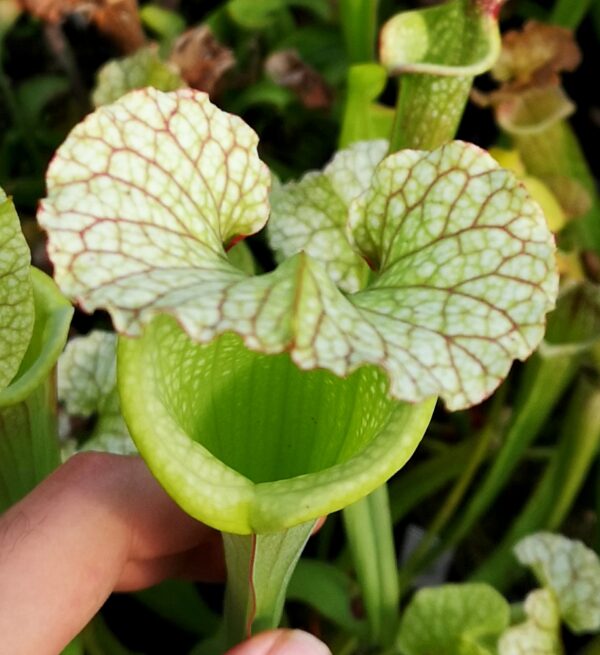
(281, 642)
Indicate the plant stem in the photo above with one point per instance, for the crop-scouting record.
(543, 383)
(424, 479)
(29, 448)
(554, 153)
(428, 110)
(369, 530)
(359, 25)
(478, 453)
(259, 567)
(558, 487)
(569, 13)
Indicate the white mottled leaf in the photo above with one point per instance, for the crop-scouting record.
(145, 192)
(540, 633)
(311, 215)
(454, 619)
(87, 385)
(571, 571)
(141, 69)
(142, 196)
(16, 294)
(466, 270)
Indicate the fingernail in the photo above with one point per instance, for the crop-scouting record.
(298, 642)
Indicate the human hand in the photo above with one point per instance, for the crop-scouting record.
(101, 523)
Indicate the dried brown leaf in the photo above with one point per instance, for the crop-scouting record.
(530, 95)
(286, 68)
(117, 19)
(202, 61)
(536, 55)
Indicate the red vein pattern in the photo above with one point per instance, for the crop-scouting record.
(16, 295)
(144, 193)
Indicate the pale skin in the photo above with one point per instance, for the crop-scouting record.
(99, 524)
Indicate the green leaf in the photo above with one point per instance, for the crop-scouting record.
(87, 385)
(180, 603)
(318, 205)
(453, 620)
(142, 69)
(465, 257)
(574, 326)
(144, 193)
(36, 92)
(74, 648)
(166, 23)
(540, 633)
(52, 319)
(29, 448)
(254, 15)
(362, 118)
(571, 571)
(16, 295)
(327, 589)
(241, 257)
(263, 92)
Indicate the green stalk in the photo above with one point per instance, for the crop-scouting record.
(259, 568)
(362, 117)
(29, 448)
(558, 486)
(453, 499)
(428, 110)
(569, 13)
(430, 105)
(423, 480)
(553, 153)
(369, 528)
(437, 52)
(542, 385)
(359, 26)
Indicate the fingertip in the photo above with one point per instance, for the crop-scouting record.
(282, 642)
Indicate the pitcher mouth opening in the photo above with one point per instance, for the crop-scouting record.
(260, 414)
(248, 442)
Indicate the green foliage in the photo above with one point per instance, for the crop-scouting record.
(571, 571)
(410, 302)
(87, 385)
(143, 68)
(453, 620)
(16, 294)
(33, 327)
(399, 277)
(539, 633)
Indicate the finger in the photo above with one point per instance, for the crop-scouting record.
(205, 562)
(64, 547)
(281, 642)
